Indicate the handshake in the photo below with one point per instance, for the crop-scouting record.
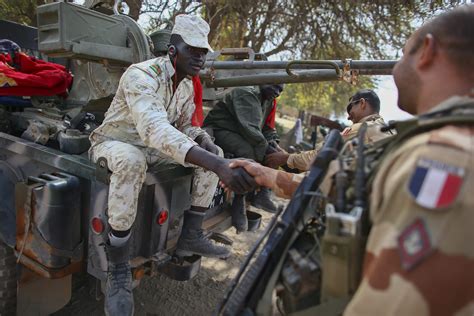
(238, 175)
(245, 175)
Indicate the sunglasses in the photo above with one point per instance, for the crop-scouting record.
(352, 103)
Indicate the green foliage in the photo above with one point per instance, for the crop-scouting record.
(322, 98)
(301, 29)
(20, 11)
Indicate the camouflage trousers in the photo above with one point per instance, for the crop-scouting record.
(128, 165)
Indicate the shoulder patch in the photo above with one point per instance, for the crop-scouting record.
(414, 244)
(156, 69)
(435, 184)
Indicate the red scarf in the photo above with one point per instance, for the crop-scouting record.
(198, 115)
(270, 120)
(33, 77)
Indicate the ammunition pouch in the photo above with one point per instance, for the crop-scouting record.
(342, 253)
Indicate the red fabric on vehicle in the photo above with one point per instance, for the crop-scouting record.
(32, 77)
(198, 115)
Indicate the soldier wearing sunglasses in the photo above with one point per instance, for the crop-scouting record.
(363, 107)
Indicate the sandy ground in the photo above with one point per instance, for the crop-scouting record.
(162, 296)
(286, 122)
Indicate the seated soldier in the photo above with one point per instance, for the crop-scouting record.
(149, 122)
(363, 107)
(243, 125)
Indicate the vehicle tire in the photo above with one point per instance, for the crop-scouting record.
(8, 281)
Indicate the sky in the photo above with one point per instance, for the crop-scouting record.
(387, 92)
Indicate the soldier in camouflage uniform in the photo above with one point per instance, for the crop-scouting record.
(149, 122)
(419, 257)
(363, 107)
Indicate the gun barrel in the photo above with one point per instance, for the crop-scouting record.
(270, 78)
(217, 74)
(253, 64)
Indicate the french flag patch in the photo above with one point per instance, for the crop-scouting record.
(435, 184)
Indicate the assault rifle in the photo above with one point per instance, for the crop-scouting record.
(251, 292)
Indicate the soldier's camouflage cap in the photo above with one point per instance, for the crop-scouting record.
(193, 30)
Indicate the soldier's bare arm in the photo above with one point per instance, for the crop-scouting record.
(284, 184)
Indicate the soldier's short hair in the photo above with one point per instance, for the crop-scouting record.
(454, 32)
(370, 96)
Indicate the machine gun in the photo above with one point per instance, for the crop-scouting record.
(102, 46)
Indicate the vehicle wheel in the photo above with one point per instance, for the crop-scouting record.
(8, 282)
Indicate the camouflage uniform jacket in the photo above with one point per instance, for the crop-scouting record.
(419, 256)
(242, 111)
(302, 161)
(146, 113)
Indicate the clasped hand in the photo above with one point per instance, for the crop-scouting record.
(236, 179)
(260, 175)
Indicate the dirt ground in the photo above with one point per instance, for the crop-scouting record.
(163, 296)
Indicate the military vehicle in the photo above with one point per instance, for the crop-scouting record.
(53, 200)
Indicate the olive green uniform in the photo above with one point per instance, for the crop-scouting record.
(238, 123)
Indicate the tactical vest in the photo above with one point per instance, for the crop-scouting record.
(462, 114)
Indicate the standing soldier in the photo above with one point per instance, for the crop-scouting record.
(419, 257)
(149, 122)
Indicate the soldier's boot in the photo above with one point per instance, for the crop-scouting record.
(263, 200)
(239, 214)
(193, 241)
(118, 286)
